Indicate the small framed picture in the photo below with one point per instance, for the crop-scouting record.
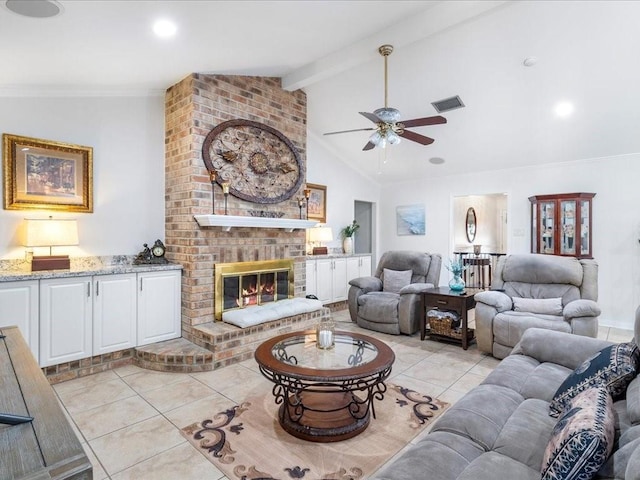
(317, 203)
(45, 174)
(410, 220)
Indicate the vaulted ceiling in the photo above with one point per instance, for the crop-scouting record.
(587, 52)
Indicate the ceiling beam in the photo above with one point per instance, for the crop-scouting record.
(439, 17)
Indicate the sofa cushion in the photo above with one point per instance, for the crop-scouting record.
(492, 466)
(394, 280)
(531, 417)
(470, 417)
(613, 366)
(547, 306)
(528, 377)
(379, 307)
(583, 437)
(448, 455)
(633, 401)
(616, 465)
(508, 327)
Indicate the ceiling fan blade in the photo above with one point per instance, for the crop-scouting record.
(347, 131)
(371, 116)
(416, 137)
(369, 146)
(421, 122)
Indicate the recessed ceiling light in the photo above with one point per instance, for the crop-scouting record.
(436, 160)
(564, 109)
(530, 61)
(34, 8)
(164, 28)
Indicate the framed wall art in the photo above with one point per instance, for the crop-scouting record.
(48, 175)
(317, 203)
(410, 220)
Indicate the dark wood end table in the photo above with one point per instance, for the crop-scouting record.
(443, 298)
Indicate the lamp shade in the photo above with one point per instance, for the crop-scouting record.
(51, 233)
(320, 234)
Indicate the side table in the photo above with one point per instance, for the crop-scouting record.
(442, 298)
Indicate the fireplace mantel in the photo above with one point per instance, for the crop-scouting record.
(228, 221)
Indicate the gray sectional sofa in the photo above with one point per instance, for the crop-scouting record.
(501, 428)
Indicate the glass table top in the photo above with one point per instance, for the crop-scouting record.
(301, 350)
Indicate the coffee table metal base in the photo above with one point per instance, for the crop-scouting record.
(324, 417)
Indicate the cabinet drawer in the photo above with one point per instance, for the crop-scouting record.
(443, 303)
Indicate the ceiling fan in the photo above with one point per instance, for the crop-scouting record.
(389, 128)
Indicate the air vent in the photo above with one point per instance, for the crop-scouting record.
(448, 104)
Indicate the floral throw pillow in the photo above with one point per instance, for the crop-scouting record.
(614, 367)
(583, 437)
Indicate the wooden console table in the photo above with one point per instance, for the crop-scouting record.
(47, 447)
(442, 298)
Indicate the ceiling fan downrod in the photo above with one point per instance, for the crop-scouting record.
(385, 51)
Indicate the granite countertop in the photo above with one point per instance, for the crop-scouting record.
(338, 255)
(13, 270)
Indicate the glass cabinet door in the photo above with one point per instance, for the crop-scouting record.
(547, 227)
(567, 227)
(585, 216)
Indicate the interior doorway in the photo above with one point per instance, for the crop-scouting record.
(364, 216)
(490, 229)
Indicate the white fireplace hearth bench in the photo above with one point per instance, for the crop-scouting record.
(268, 312)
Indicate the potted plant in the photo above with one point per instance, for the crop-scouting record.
(347, 234)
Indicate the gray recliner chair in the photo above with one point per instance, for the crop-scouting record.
(535, 290)
(391, 301)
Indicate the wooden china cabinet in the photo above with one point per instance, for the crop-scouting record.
(561, 224)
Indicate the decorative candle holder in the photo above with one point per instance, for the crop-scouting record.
(300, 205)
(307, 194)
(225, 190)
(326, 333)
(212, 179)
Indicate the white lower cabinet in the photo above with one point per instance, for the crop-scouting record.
(158, 306)
(358, 267)
(114, 312)
(66, 319)
(69, 318)
(327, 279)
(19, 307)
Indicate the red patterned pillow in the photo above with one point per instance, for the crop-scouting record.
(582, 439)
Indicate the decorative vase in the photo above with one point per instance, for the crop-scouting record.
(456, 284)
(347, 245)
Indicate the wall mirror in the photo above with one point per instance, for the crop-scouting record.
(470, 223)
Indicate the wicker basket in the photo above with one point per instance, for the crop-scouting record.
(440, 322)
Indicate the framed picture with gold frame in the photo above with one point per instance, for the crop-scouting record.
(317, 203)
(48, 175)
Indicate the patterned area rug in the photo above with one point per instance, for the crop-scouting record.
(246, 442)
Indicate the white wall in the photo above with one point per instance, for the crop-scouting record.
(616, 224)
(344, 186)
(127, 136)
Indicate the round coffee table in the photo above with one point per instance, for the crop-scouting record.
(316, 389)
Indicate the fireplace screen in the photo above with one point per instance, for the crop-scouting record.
(242, 284)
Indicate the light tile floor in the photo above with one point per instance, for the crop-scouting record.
(128, 419)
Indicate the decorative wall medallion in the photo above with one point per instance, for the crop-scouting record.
(260, 163)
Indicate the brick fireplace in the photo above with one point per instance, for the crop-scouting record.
(193, 107)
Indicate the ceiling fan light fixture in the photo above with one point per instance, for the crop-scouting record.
(375, 138)
(393, 138)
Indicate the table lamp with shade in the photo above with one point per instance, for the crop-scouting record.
(319, 235)
(47, 232)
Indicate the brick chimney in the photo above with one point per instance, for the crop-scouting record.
(193, 107)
